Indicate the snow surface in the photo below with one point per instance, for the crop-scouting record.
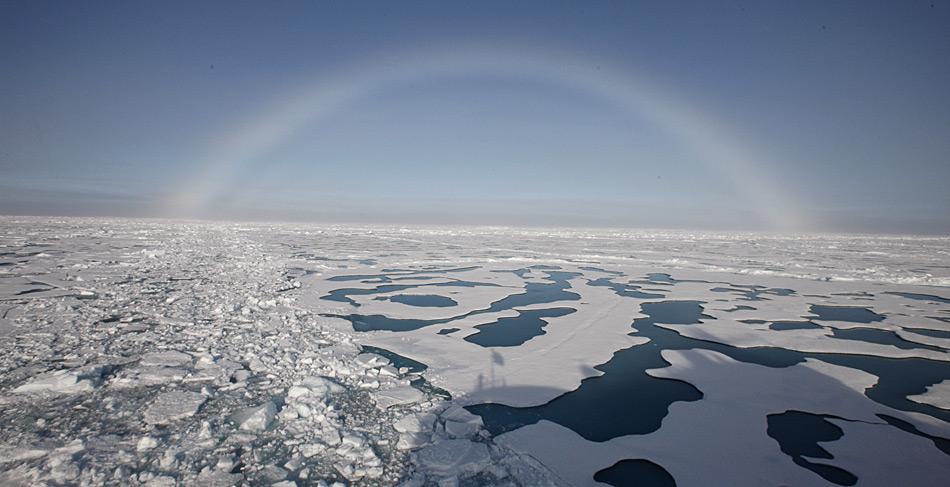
(182, 353)
(937, 395)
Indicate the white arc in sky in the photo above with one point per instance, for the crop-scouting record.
(324, 96)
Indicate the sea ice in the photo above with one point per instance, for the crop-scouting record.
(59, 381)
(453, 457)
(166, 359)
(116, 324)
(937, 395)
(396, 395)
(173, 405)
(257, 418)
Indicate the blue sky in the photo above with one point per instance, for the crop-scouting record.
(830, 116)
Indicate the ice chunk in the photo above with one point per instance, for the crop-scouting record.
(219, 478)
(297, 391)
(322, 386)
(459, 414)
(454, 457)
(146, 443)
(149, 376)
(415, 423)
(388, 371)
(161, 481)
(402, 394)
(369, 385)
(273, 473)
(408, 441)
(313, 386)
(312, 449)
(59, 381)
(170, 358)
(461, 430)
(174, 405)
(12, 454)
(256, 418)
(331, 437)
(352, 439)
(371, 360)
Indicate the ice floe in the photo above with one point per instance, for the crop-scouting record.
(937, 395)
(173, 405)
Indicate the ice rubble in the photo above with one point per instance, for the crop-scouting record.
(177, 354)
(160, 353)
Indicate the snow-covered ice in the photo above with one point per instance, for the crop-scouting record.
(937, 395)
(256, 418)
(193, 353)
(172, 406)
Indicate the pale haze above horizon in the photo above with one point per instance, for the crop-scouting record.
(791, 116)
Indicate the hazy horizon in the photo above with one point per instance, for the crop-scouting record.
(516, 227)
